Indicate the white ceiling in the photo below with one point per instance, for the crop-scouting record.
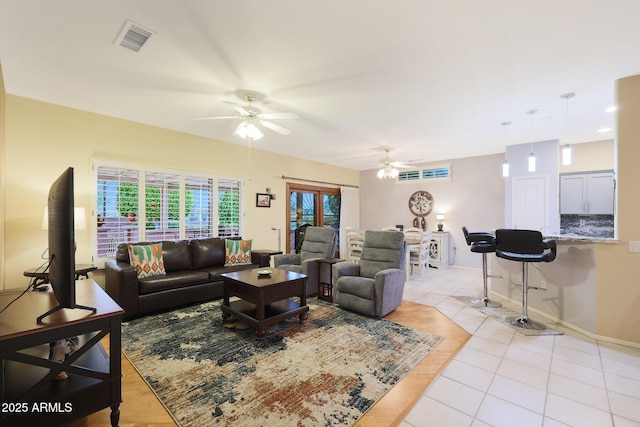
(431, 79)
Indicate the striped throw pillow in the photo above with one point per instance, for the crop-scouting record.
(147, 260)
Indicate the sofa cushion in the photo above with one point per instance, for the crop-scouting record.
(207, 252)
(175, 280)
(238, 252)
(177, 256)
(147, 260)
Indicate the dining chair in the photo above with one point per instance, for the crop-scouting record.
(354, 241)
(418, 242)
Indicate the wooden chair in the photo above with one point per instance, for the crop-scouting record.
(418, 242)
(354, 241)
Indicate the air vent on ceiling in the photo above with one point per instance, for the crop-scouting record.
(133, 36)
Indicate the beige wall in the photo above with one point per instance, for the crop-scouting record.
(618, 295)
(43, 139)
(2, 175)
(590, 156)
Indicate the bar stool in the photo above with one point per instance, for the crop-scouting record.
(482, 243)
(524, 246)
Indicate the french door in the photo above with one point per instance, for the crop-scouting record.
(312, 206)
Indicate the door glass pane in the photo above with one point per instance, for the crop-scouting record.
(302, 211)
(331, 212)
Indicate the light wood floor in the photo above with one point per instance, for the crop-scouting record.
(141, 408)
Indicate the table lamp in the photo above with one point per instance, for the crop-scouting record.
(440, 218)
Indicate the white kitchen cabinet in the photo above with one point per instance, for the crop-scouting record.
(587, 193)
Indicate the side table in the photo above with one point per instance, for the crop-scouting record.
(42, 276)
(262, 257)
(325, 289)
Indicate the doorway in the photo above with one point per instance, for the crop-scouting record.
(310, 206)
(529, 203)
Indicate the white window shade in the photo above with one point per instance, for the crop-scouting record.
(198, 207)
(229, 208)
(116, 213)
(143, 204)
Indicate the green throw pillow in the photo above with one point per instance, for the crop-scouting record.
(147, 260)
(237, 252)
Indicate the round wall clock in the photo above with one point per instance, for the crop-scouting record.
(421, 203)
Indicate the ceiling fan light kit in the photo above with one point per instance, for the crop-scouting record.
(247, 130)
(389, 168)
(388, 172)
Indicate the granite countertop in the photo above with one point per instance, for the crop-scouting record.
(580, 239)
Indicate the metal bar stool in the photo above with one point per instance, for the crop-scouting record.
(524, 246)
(483, 243)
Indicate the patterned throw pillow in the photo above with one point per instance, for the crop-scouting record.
(237, 252)
(147, 260)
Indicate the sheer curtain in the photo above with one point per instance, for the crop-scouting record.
(349, 213)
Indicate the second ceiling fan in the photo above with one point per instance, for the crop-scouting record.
(252, 117)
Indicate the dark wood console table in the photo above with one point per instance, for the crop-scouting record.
(29, 395)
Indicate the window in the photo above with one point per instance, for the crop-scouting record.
(228, 208)
(437, 173)
(409, 176)
(139, 204)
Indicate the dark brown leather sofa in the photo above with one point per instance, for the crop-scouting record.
(193, 269)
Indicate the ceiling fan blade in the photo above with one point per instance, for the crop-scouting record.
(401, 165)
(239, 108)
(218, 117)
(277, 116)
(275, 127)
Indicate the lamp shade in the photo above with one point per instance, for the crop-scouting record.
(79, 217)
(440, 217)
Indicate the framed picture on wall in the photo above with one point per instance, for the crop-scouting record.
(263, 200)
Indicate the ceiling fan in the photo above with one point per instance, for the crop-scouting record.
(251, 117)
(390, 167)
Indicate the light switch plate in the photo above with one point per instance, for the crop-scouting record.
(634, 246)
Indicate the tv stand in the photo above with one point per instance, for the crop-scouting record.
(58, 308)
(28, 393)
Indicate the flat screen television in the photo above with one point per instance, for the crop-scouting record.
(62, 246)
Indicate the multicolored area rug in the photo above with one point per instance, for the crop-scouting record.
(328, 370)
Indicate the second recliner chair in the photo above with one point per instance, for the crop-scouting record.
(374, 286)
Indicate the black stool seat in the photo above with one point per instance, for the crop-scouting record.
(483, 247)
(482, 243)
(524, 246)
(512, 256)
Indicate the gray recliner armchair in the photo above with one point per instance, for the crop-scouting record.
(319, 242)
(374, 286)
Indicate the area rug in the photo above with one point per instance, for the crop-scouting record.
(501, 314)
(328, 370)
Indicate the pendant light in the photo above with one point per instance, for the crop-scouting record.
(566, 148)
(532, 157)
(505, 165)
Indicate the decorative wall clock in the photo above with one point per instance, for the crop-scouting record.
(421, 203)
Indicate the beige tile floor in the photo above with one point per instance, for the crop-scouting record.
(503, 378)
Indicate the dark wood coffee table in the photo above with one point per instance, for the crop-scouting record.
(264, 300)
